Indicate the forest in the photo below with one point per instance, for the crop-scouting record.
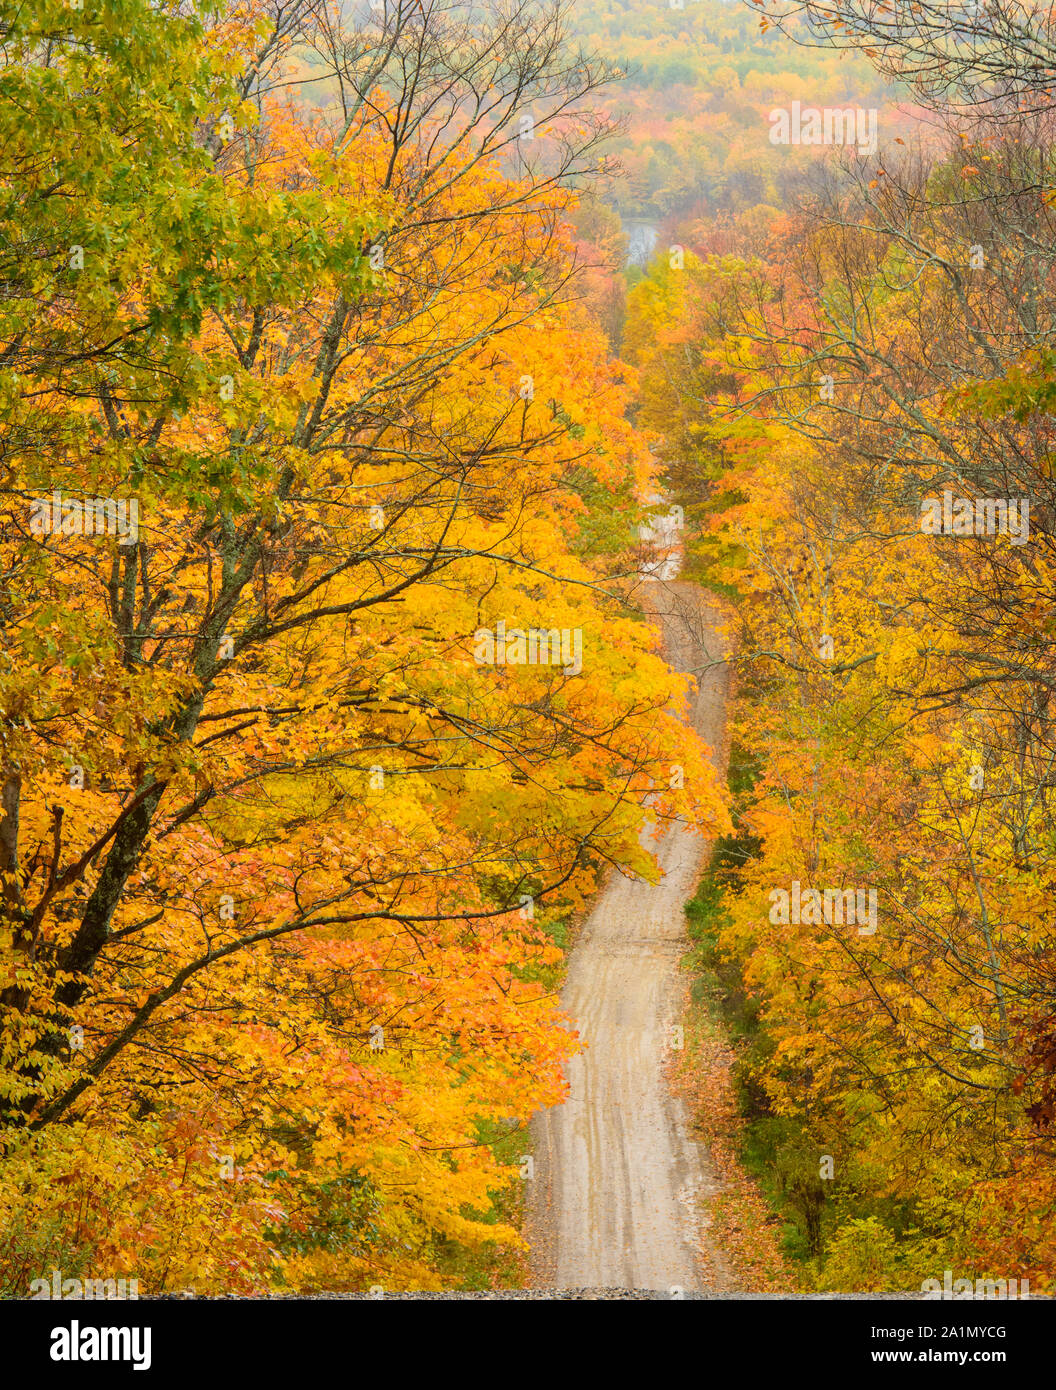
(332, 411)
(853, 390)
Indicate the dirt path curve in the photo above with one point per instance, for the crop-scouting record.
(616, 1171)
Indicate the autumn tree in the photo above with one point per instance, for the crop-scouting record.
(893, 346)
(281, 844)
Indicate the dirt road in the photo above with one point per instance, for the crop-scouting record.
(616, 1172)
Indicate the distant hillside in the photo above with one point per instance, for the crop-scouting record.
(700, 84)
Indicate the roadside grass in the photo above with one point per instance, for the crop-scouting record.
(838, 1234)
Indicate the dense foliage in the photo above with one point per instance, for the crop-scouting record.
(298, 399)
(856, 398)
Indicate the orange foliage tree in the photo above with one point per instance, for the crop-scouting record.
(317, 705)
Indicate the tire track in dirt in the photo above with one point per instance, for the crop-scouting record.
(617, 1174)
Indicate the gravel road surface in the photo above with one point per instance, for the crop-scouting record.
(617, 1175)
